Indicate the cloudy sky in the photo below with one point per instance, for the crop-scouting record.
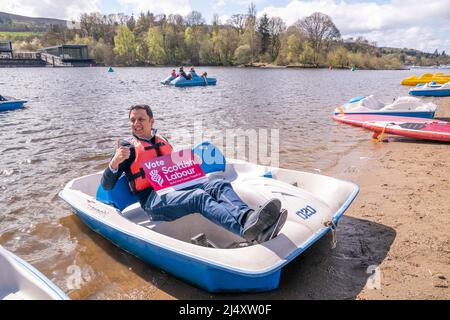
(419, 24)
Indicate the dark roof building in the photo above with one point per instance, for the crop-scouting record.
(6, 50)
(69, 54)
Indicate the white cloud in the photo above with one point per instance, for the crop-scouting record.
(422, 38)
(219, 5)
(163, 6)
(390, 23)
(241, 2)
(61, 9)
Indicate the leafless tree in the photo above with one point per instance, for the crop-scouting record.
(276, 27)
(175, 19)
(250, 29)
(194, 19)
(215, 20)
(251, 11)
(320, 29)
(237, 21)
(250, 20)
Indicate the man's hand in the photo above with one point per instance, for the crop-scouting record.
(121, 154)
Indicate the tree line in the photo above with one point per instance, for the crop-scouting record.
(244, 39)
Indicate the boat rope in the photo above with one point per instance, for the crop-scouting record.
(332, 225)
(378, 136)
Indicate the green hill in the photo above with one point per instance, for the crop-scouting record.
(15, 23)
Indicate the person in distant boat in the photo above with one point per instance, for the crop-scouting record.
(191, 73)
(204, 76)
(183, 74)
(215, 200)
(174, 73)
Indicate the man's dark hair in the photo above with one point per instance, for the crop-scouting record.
(141, 107)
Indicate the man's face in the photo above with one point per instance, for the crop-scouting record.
(141, 123)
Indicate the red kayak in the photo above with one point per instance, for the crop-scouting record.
(418, 128)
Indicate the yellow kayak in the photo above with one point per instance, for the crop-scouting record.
(439, 78)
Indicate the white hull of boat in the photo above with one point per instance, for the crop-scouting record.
(314, 202)
(401, 107)
(21, 281)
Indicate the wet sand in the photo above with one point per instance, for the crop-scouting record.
(393, 242)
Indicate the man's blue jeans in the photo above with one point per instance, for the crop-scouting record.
(215, 200)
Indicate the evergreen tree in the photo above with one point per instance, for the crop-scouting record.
(263, 29)
(143, 24)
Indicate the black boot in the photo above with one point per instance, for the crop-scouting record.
(274, 229)
(261, 219)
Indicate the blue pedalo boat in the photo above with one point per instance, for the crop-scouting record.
(431, 90)
(202, 253)
(195, 82)
(9, 103)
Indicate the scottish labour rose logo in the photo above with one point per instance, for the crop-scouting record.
(156, 177)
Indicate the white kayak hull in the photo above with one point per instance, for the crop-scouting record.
(400, 107)
(21, 281)
(314, 202)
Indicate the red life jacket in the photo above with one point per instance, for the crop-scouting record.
(145, 151)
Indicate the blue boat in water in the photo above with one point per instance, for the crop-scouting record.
(431, 90)
(9, 103)
(401, 107)
(200, 252)
(194, 82)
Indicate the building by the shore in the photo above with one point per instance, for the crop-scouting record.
(67, 55)
(6, 50)
(72, 55)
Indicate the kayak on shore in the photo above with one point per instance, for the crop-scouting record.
(402, 106)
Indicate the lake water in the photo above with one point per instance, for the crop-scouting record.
(74, 116)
